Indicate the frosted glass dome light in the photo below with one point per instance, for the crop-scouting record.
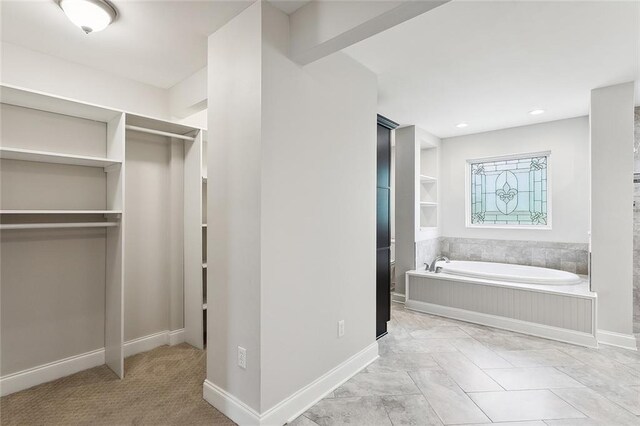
(90, 15)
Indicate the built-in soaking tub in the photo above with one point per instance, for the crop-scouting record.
(538, 301)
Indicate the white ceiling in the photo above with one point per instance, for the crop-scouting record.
(154, 42)
(490, 63)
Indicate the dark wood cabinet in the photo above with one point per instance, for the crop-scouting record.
(383, 225)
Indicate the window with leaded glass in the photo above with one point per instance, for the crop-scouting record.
(511, 191)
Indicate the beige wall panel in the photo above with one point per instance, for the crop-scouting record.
(150, 258)
(45, 131)
(29, 185)
(52, 295)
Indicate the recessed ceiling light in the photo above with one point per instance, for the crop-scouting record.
(461, 125)
(536, 112)
(90, 15)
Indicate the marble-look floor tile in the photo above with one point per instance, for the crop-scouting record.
(623, 356)
(479, 331)
(302, 421)
(634, 367)
(410, 410)
(393, 362)
(531, 423)
(479, 354)
(450, 332)
(423, 346)
(601, 376)
(513, 343)
(374, 384)
(627, 397)
(591, 357)
(450, 402)
(510, 406)
(465, 373)
(597, 407)
(532, 378)
(349, 411)
(539, 358)
(576, 422)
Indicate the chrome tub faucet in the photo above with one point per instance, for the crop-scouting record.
(432, 268)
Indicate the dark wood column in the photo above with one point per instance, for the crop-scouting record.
(383, 231)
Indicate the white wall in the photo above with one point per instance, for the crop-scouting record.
(611, 206)
(198, 119)
(292, 210)
(36, 71)
(568, 141)
(318, 212)
(233, 211)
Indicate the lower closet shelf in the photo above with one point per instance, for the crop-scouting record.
(8, 226)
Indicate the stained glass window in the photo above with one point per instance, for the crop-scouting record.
(510, 191)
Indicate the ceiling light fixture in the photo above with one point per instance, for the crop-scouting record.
(461, 125)
(536, 112)
(90, 15)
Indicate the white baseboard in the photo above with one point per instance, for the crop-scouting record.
(398, 297)
(176, 337)
(47, 372)
(525, 327)
(54, 370)
(296, 404)
(229, 405)
(152, 341)
(611, 338)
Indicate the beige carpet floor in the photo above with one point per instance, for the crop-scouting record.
(161, 387)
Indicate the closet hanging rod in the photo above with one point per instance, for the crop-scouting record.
(158, 132)
(6, 226)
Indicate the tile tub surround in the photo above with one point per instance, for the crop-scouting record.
(570, 257)
(463, 373)
(426, 251)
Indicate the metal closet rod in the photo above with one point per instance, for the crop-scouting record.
(159, 132)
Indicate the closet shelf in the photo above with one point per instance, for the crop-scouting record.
(204, 179)
(428, 204)
(60, 211)
(204, 306)
(8, 226)
(204, 265)
(55, 158)
(204, 225)
(425, 178)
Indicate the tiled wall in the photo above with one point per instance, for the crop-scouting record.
(426, 251)
(572, 257)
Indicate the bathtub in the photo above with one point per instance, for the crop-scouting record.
(537, 301)
(505, 272)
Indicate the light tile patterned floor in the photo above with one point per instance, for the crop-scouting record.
(435, 371)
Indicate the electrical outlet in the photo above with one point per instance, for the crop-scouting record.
(340, 328)
(242, 357)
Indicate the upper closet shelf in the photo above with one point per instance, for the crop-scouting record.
(60, 211)
(55, 158)
(425, 178)
(56, 104)
(428, 203)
